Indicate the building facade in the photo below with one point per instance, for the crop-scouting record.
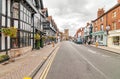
(113, 21)
(99, 24)
(107, 27)
(26, 17)
(88, 32)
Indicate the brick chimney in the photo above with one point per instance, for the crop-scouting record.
(100, 12)
(118, 1)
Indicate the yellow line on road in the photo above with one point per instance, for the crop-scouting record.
(46, 70)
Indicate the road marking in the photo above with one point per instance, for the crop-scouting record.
(46, 70)
(105, 56)
(91, 64)
(94, 52)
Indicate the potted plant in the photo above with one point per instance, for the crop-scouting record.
(3, 58)
(6, 31)
(37, 38)
(13, 32)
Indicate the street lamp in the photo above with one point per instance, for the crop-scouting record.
(107, 29)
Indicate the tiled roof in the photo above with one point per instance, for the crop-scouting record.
(49, 18)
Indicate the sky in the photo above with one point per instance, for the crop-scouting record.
(73, 14)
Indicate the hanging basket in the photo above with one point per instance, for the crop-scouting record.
(37, 36)
(11, 31)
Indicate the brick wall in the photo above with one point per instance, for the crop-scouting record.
(109, 18)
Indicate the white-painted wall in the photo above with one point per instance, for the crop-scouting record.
(9, 1)
(3, 6)
(8, 40)
(3, 21)
(3, 42)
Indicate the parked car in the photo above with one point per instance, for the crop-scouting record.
(79, 41)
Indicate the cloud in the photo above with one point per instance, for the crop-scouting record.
(73, 14)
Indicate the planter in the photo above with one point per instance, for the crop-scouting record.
(11, 31)
(37, 36)
(37, 44)
(4, 58)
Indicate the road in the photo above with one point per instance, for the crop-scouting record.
(74, 61)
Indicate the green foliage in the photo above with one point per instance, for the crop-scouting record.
(37, 45)
(6, 31)
(3, 58)
(44, 38)
(52, 38)
(37, 36)
(11, 31)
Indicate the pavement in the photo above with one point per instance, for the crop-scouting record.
(74, 61)
(25, 64)
(108, 49)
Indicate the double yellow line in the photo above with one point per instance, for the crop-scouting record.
(47, 68)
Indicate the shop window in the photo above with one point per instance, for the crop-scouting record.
(102, 27)
(101, 38)
(96, 29)
(14, 43)
(116, 40)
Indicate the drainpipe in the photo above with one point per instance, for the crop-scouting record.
(33, 31)
(106, 32)
(6, 23)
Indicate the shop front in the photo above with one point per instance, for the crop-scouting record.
(114, 39)
(100, 37)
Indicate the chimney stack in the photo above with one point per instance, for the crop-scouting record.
(101, 12)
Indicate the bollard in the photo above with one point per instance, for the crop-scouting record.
(53, 44)
(27, 78)
(96, 44)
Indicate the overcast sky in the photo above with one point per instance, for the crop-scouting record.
(73, 14)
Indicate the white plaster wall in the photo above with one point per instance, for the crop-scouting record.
(21, 25)
(3, 21)
(16, 23)
(8, 7)
(8, 40)
(3, 41)
(8, 24)
(3, 6)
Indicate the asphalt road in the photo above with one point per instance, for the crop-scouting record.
(74, 61)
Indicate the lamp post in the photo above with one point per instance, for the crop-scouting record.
(107, 30)
(90, 33)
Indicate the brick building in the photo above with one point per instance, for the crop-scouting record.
(99, 27)
(110, 20)
(113, 21)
